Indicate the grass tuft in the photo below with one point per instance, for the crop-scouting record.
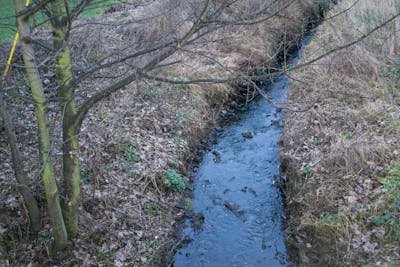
(344, 209)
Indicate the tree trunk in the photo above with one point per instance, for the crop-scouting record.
(49, 181)
(71, 174)
(23, 180)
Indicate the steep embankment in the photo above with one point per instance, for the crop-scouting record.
(341, 141)
(140, 140)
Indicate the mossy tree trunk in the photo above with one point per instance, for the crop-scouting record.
(49, 181)
(71, 174)
(64, 221)
(22, 178)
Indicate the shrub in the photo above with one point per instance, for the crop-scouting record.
(174, 181)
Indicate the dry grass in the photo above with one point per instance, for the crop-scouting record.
(334, 152)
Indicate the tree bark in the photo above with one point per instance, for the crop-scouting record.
(71, 188)
(23, 180)
(49, 181)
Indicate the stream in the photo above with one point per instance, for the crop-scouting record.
(238, 207)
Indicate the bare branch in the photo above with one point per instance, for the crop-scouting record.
(140, 71)
(194, 81)
(32, 10)
(364, 36)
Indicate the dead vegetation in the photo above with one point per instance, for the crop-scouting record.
(131, 140)
(340, 152)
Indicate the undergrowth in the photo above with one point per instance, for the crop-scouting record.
(174, 181)
(373, 226)
(387, 207)
(340, 154)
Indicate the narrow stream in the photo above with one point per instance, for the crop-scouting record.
(235, 196)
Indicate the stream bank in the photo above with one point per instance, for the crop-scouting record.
(340, 150)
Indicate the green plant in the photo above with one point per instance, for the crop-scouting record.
(44, 239)
(177, 139)
(128, 169)
(152, 244)
(131, 172)
(184, 116)
(388, 212)
(329, 219)
(152, 208)
(85, 175)
(153, 254)
(182, 120)
(392, 179)
(392, 76)
(107, 258)
(394, 70)
(132, 153)
(182, 87)
(174, 181)
(305, 171)
(151, 258)
(105, 115)
(134, 253)
(379, 220)
(123, 216)
(124, 166)
(150, 93)
(8, 238)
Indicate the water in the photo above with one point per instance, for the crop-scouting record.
(235, 191)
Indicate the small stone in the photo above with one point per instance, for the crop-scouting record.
(217, 156)
(247, 135)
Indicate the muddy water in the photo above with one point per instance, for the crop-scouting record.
(239, 208)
